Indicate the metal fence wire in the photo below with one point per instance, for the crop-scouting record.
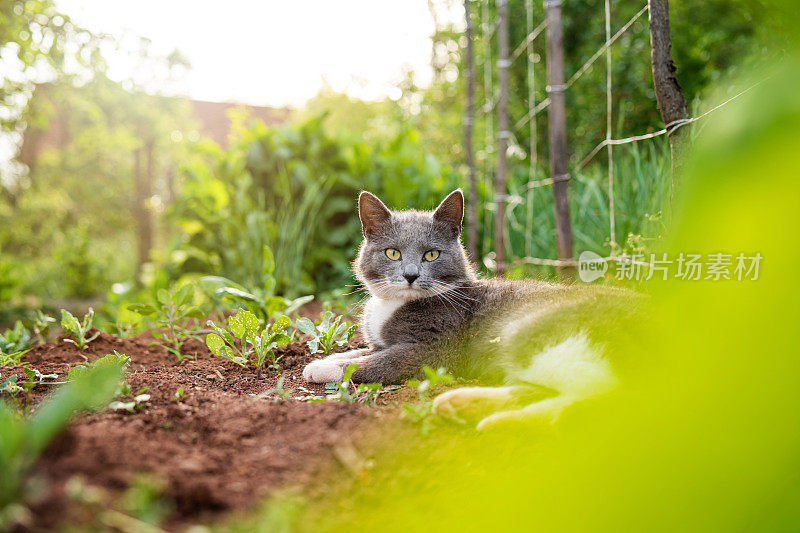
(497, 134)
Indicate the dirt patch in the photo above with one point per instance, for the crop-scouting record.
(218, 449)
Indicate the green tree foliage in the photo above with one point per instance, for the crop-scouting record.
(74, 219)
(42, 42)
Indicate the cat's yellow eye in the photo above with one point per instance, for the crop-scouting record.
(431, 255)
(393, 254)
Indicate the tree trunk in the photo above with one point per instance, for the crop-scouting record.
(472, 219)
(502, 139)
(143, 175)
(671, 103)
(557, 123)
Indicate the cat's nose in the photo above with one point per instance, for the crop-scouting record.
(411, 273)
(411, 277)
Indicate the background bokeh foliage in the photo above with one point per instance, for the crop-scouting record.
(71, 225)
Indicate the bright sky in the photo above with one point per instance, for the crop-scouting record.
(270, 52)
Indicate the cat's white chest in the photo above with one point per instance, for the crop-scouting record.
(376, 313)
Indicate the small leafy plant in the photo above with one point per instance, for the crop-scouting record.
(78, 330)
(179, 395)
(11, 359)
(115, 358)
(13, 385)
(348, 392)
(16, 340)
(422, 411)
(41, 325)
(131, 402)
(327, 334)
(127, 401)
(278, 393)
(171, 315)
(253, 340)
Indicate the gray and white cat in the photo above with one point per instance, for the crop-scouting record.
(549, 344)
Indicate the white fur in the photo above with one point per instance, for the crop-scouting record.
(573, 367)
(324, 371)
(376, 312)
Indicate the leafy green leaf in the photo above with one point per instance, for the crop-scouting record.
(281, 324)
(122, 406)
(244, 324)
(194, 312)
(348, 372)
(87, 320)
(221, 332)
(306, 326)
(325, 323)
(236, 294)
(340, 328)
(184, 295)
(313, 345)
(163, 296)
(219, 348)
(70, 323)
(216, 344)
(9, 384)
(274, 305)
(142, 309)
(280, 339)
(268, 261)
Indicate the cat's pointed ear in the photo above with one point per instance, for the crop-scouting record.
(374, 215)
(451, 211)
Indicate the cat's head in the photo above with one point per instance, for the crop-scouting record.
(411, 254)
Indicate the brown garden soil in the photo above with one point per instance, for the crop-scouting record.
(219, 449)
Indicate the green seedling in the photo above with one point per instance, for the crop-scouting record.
(24, 439)
(11, 359)
(123, 330)
(348, 392)
(252, 340)
(278, 394)
(33, 377)
(179, 395)
(172, 313)
(131, 402)
(329, 333)
(41, 325)
(16, 340)
(113, 358)
(78, 330)
(422, 411)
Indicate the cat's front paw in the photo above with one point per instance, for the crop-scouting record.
(324, 371)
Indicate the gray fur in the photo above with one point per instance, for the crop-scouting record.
(449, 318)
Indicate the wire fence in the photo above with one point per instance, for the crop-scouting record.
(495, 139)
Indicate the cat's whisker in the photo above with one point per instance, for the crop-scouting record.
(453, 302)
(444, 298)
(453, 291)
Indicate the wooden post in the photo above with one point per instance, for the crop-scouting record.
(671, 103)
(143, 176)
(557, 123)
(472, 219)
(502, 138)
